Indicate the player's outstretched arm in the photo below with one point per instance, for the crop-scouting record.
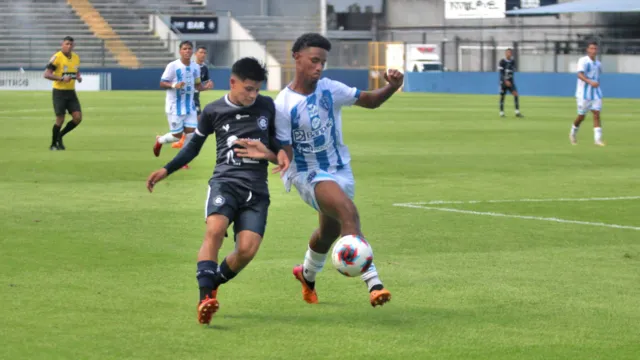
(186, 154)
(375, 98)
(257, 150)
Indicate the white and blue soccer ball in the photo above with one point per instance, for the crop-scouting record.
(352, 255)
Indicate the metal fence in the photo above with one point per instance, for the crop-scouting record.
(457, 54)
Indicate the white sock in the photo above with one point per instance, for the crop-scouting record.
(167, 138)
(574, 129)
(371, 277)
(597, 134)
(313, 264)
(187, 138)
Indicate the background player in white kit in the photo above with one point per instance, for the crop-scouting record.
(589, 94)
(181, 78)
(309, 126)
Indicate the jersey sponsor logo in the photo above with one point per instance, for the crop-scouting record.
(263, 123)
(307, 148)
(301, 135)
(298, 135)
(234, 160)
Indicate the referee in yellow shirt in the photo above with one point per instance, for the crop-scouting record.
(63, 71)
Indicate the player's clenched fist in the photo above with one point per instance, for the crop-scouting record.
(394, 77)
(155, 177)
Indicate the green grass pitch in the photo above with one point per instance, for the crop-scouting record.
(92, 266)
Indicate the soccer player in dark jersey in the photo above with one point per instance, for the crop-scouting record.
(207, 83)
(507, 68)
(238, 190)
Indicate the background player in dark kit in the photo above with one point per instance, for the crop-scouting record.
(507, 68)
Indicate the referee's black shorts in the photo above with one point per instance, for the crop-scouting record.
(65, 101)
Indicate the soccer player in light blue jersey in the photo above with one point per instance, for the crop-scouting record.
(309, 126)
(181, 79)
(589, 94)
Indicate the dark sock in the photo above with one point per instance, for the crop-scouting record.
(70, 126)
(55, 134)
(225, 274)
(206, 275)
(501, 102)
(376, 287)
(515, 99)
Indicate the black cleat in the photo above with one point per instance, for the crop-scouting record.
(60, 145)
(53, 147)
(519, 115)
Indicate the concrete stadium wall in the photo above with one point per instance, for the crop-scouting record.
(149, 79)
(266, 7)
(531, 84)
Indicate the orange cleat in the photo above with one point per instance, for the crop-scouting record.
(179, 143)
(207, 307)
(309, 295)
(157, 147)
(379, 297)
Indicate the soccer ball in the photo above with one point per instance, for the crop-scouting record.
(352, 255)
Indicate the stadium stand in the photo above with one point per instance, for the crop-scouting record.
(276, 30)
(108, 33)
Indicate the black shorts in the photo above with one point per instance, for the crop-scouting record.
(196, 100)
(245, 209)
(504, 88)
(65, 101)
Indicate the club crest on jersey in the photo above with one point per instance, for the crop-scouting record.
(263, 123)
(65, 68)
(315, 123)
(219, 200)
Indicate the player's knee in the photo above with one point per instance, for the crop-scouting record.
(246, 250)
(214, 234)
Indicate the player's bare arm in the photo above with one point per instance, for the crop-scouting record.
(375, 98)
(185, 156)
(582, 77)
(48, 74)
(168, 85)
(257, 150)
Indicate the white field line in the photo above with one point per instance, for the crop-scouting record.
(444, 202)
(525, 217)
(519, 216)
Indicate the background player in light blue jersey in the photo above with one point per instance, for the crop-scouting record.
(589, 94)
(181, 78)
(309, 126)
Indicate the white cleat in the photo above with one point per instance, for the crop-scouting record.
(572, 138)
(599, 143)
(501, 113)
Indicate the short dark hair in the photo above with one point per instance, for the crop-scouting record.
(311, 40)
(186, 42)
(201, 47)
(592, 42)
(509, 49)
(68, 38)
(249, 68)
